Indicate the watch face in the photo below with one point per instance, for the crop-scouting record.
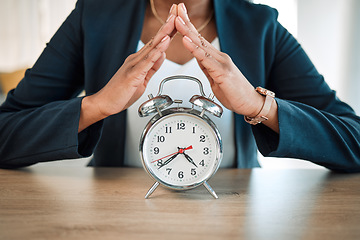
(181, 150)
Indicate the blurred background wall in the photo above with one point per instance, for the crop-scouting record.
(328, 30)
(25, 27)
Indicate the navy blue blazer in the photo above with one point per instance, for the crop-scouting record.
(39, 119)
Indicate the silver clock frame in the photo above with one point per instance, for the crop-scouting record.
(173, 112)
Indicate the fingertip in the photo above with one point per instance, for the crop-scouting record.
(159, 62)
(174, 9)
(186, 38)
(162, 57)
(183, 8)
(182, 11)
(189, 44)
(165, 38)
(164, 43)
(170, 18)
(180, 20)
(180, 25)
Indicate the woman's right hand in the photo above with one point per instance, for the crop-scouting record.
(129, 82)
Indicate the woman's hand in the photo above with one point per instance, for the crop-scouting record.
(130, 81)
(228, 84)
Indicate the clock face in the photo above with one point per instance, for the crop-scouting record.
(181, 150)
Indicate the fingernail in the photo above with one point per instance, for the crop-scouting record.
(187, 38)
(169, 18)
(165, 38)
(172, 7)
(183, 7)
(181, 20)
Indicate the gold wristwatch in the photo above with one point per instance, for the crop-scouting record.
(262, 116)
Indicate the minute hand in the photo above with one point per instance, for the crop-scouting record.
(189, 159)
(168, 160)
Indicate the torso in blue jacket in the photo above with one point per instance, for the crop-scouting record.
(39, 120)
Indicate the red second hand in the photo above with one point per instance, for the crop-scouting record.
(180, 151)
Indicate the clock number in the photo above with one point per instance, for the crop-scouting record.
(181, 126)
(167, 129)
(156, 150)
(202, 163)
(160, 138)
(181, 174)
(206, 151)
(202, 138)
(168, 170)
(193, 171)
(159, 163)
(194, 129)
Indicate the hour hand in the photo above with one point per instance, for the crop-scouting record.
(190, 159)
(168, 160)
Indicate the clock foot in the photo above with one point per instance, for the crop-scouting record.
(210, 190)
(151, 190)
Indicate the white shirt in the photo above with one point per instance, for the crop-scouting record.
(183, 90)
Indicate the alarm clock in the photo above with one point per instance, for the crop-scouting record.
(180, 147)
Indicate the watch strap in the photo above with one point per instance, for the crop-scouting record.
(262, 116)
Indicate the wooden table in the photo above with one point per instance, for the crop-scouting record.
(51, 202)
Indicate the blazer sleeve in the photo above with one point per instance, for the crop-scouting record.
(39, 119)
(314, 124)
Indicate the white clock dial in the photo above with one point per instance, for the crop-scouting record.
(181, 150)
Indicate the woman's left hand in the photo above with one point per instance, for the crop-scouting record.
(228, 84)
